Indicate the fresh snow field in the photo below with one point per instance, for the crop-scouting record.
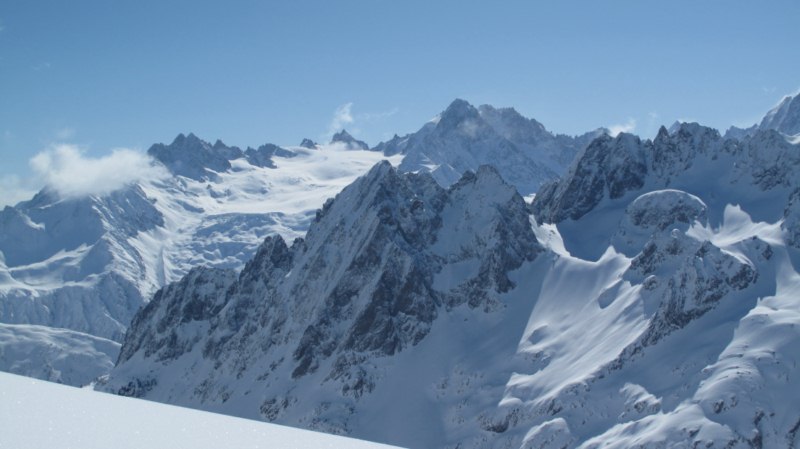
(37, 415)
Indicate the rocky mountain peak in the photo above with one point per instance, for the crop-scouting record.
(457, 113)
(308, 143)
(344, 137)
(664, 133)
(192, 157)
(785, 117)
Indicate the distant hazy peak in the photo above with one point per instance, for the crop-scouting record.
(344, 137)
(308, 143)
(458, 111)
(190, 156)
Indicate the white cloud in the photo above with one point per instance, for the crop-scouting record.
(627, 127)
(341, 117)
(67, 170)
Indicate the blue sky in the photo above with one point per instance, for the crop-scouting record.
(107, 74)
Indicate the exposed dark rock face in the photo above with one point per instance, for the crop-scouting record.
(351, 142)
(191, 157)
(610, 168)
(262, 156)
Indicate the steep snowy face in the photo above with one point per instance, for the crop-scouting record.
(464, 137)
(380, 265)
(193, 158)
(630, 365)
(57, 254)
(676, 345)
(785, 117)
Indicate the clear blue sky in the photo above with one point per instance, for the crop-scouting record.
(108, 73)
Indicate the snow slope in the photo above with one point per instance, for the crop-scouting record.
(43, 415)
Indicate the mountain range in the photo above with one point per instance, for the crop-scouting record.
(646, 297)
(84, 265)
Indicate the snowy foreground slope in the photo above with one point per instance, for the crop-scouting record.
(651, 300)
(43, 415)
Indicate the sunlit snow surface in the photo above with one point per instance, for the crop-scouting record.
(36, 414)
(221, 223)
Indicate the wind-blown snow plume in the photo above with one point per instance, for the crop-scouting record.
(627, 127)
(72, 174)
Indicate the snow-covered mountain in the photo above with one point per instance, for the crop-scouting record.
(343, 137)
(396, 280)
(87, 264)
(652, 302)
(784, 118)
(464, 137)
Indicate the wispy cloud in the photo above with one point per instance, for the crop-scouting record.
(342, 117)
(627, 127)
(66, 169)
